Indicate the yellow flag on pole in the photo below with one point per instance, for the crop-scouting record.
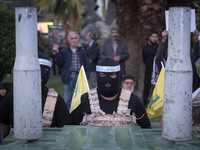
(155, 107)
(80, 88)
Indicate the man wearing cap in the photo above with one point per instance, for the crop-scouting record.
(129, 84)
(56, 116)
(108, 104)
(116, 49)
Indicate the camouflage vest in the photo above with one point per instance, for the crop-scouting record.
(49, 108)
(99, 118)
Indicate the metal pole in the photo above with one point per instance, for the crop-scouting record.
(27, 77)
(177, 111)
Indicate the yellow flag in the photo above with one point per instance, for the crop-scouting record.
(155, 107)
(80, 88)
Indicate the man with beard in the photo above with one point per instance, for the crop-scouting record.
(116, 49)
(58, 108)
(108, 104)
(129, 84)
(148, 54)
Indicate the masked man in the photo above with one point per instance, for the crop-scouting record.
(109, 105)
(60, 115)
(4, 89)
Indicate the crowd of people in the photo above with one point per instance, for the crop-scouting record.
(113, 98)
(70, 59)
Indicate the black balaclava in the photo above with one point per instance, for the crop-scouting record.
(45, 63)
(108, 66)
(4, 86)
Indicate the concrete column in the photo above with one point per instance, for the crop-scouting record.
(177, 111)
(27, 77)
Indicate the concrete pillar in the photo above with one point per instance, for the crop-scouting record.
(27, 77)
(177, 111)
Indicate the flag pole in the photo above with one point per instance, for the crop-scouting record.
(85, 78)
(80, 88)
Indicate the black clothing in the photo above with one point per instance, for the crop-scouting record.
(1, 99)
(196, 78)
(148, 54)
(4, 86)
(44, 74)
(194, 58)
(109, 107)
(114, 82)
(195, 52)
(161, 55)
(92, 56)
(61, 115)
(111, 90)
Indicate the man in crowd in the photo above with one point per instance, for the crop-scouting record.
(60, 114)
(160, 58)
(129, 84)
(162, 52)
(116, 49)
(194, 57)
(148, 54)
(70, 59)
(92, 58)
(4, 89)
(108, 104)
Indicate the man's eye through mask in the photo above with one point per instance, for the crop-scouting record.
(111, 75)
(45, 73)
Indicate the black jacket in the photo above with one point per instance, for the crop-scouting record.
(135, 104)
(61, 115)
(148, 54)
(92, 56)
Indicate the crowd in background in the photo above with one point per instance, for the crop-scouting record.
(112, 90)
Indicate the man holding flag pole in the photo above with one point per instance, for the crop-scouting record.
(155, 107)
